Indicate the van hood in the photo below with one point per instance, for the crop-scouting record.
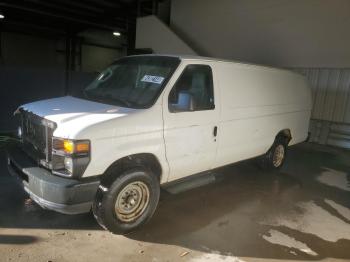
(65, 109)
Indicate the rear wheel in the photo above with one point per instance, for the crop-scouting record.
(129, 202)
(276, 155)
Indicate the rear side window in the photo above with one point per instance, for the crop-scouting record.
(195, 84)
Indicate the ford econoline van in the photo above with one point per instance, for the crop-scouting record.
(149, 120)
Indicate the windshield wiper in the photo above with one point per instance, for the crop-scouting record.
(102, 98)
(121, 101)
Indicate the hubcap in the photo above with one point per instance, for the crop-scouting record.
(278, 156)
(132, 201)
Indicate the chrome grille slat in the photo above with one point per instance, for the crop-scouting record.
(37, 135)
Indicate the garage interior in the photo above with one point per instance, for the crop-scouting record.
(238, 213)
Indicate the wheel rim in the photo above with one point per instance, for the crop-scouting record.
(278, 155)
(132, 201)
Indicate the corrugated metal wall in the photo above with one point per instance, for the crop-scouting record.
(330, 119)
(330, 93)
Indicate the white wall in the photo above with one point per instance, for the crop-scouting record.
(288, 33)
(153, 33)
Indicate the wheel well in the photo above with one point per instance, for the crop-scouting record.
(284, 134)
(147, 160)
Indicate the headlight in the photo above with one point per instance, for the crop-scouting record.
(70, 157)
(68, 164)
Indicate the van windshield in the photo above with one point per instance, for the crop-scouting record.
(134, 82)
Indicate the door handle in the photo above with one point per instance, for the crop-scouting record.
(215, 132)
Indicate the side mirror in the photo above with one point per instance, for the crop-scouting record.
(184, 103)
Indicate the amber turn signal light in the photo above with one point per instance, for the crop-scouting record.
(71, 147)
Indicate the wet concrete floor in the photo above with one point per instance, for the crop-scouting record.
(300, 213)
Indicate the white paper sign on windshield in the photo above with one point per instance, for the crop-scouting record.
(152, 79)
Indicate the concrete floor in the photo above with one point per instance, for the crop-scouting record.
(299, 213)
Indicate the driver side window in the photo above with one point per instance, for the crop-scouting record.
(193, 91)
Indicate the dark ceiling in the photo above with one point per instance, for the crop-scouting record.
(61, 17)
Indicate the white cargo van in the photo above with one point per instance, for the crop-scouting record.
(149, 120)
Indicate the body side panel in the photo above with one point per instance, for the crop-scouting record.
(257, 103)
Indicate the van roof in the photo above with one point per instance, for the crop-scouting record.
(192, 57)
(213, 59)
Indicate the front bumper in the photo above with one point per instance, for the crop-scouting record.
(60, 194)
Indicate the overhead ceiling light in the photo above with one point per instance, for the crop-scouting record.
(2, 16)
(116, 33)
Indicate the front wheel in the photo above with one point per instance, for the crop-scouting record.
(128, 203)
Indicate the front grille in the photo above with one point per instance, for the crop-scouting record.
(37, 136)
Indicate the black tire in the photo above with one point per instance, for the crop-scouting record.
(268, 161)
(105, 204)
